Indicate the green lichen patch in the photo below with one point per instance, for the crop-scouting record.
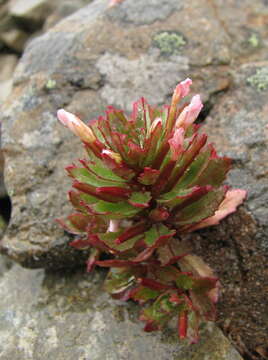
(51, 84)
(169, 42)
(260, 79)
(254, 40)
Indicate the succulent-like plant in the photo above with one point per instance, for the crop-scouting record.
(147, 179)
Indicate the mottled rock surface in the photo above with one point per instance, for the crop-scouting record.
(67, 317)
(101, 56)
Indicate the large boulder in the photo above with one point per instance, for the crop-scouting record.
(100, 56)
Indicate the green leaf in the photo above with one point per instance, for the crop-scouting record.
(160, 312)
(148, 176)
(185, 282)
(140, 199)
(201, 209)
(119, 210)
(84, 176)
(110, 238)
(144, 294)
(188, 179)
(118, 280)
(214, 173)
(156, 233)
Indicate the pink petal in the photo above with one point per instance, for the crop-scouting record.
(76, 125)
(232, 200)
(190, 113)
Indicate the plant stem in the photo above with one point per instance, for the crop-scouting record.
(113, 226)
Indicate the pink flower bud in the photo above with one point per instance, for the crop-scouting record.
(176, 143)
(189, 113)
(76, 126)
(114, 2)
(183, 88)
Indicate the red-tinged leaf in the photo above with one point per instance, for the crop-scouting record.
(167, 256)
(157, 235)
(135, 153)
(110, 238)
(140, 199)
(159, 313)
(214, 173)
(144, 255)
(153, 285)
(116, 263)
(185, 281)
(91, 262)
(143, 294)
(150, 325)
(152, 143)
(195, 168)
(196, 144)
(91, 190)
(148, 176)
(98, 167)
(122, 170)
(119, 280)
(131, 232)
(118, 210)
(80, 244)
(199, 268)
(182, 198)
(203, 305)
(200, 209)
(75, 223)
(232, 200)
(114, 192)
(165, 172)
(78, 199)
(193, 327)
(83, 175)
(183, 324)
(167, 274)
(97, 242)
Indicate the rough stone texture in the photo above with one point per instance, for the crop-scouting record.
(15, 39)
(66, 317)
(101, 56)
(30, 12)
(7, 66)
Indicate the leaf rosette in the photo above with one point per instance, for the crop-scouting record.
(147, 179)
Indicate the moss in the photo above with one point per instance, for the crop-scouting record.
(260, 79)
(169, 43)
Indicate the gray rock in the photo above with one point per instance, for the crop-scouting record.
(31, 12)
(143, 75)
(7, 66)
(15, 39)
(151, 11)
(66, 317)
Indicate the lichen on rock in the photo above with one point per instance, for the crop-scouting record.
(259, 80)
(169, 43)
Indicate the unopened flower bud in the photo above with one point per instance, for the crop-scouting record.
(189, 113)
(76, 126)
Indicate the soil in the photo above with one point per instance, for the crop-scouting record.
(231, 249)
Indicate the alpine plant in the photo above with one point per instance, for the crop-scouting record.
(148, 179)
